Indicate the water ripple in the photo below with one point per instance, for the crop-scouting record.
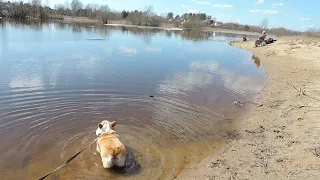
(49, 128)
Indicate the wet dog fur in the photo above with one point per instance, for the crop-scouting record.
(112, 151)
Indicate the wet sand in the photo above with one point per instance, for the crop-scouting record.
(280, 140)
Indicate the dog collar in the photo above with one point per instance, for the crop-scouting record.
(110, 135)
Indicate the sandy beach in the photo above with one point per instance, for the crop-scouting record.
(280, 140)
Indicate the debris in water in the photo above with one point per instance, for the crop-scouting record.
(238, 103)
(99, 39)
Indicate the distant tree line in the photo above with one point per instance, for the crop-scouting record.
(147, 17)
(21, 10)
(35, 9)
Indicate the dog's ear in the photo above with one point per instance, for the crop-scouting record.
(113, 124)
(100, 125)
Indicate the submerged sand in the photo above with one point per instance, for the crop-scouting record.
(280, 140)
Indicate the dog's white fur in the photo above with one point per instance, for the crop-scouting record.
(105, 128)
(112, 151)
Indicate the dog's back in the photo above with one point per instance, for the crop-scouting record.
(112, 151)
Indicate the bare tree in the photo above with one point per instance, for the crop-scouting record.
(95, 7)
(1, 1)
(67, 5)
(47, 3)
(124, 14)
(264, 23)
(170, 15)
(36, 2)
(105, 8)
(246, 27)
(135, 17)
(148, 12)
(35, 6)
(104, 13)
(89, 6)
(75, 6)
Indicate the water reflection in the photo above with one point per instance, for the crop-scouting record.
(128, 50)
(61, 25)
(88, 65)
(256, 60)
(146, 35)
(3, 39)
(56, 85)
(26, 75)
(32, 82)
(169, 34)
(230, 80)
(77, 28)
(152, 49)
(197, 35)
(183, 82)
(35, 25)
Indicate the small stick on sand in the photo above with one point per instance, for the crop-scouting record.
(302, 106)
(301, 91)
(224, 117)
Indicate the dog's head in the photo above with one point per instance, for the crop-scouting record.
(105, 126)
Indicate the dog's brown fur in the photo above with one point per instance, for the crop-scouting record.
(109, 144)
(112, 151)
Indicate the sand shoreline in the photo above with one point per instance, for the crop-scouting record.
(280, 139)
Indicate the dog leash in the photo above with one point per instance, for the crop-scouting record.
(69, 160)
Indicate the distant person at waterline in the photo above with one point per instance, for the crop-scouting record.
(263, 36)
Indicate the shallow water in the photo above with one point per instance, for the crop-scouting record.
(171, 94)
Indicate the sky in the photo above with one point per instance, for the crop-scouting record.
(292, 14)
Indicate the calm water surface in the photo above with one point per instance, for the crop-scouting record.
(57, 81)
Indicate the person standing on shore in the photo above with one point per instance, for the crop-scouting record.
(263, 36)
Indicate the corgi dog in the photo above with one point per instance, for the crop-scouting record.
(112, 151)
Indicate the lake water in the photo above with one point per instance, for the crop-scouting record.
(171, 94)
